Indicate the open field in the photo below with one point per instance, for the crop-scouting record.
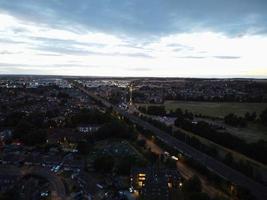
(216, 109)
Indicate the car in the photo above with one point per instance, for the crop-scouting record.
(44, 194)
(99, 186)
(174, 158)
(56, 169)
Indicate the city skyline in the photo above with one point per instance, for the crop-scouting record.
(134, 38)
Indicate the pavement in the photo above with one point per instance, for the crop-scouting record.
(258, 190)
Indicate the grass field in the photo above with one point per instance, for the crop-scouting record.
(252, 133)
(216, 109)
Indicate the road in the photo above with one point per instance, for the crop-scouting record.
(258, 190)
(186, 172)
(56, 183)
(58, 192)
(87, 183)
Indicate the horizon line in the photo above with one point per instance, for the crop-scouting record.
(159, 77)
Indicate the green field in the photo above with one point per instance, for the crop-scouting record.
(216, 109)
(252, 133)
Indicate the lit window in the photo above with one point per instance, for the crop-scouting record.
(141, 174)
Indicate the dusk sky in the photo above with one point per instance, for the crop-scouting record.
(168, 38)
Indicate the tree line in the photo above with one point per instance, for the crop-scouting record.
(255, 150)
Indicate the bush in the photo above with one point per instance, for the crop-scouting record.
(234, 120)
(192, 185)
(104, 163)
(263, 117)
(115, 129)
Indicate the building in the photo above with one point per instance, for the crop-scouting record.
(88, 128)
(154, 183)
(66, 138)
(7, 181)
(5, 135)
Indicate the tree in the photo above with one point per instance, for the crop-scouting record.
(228, 159)
(192, 190)
(10, 195)
(35, 137)
(219, 198)
(179, 112)
(171, 163)
(124, 165)
(206, 130)
(244, 194)
(13, 118)
(192, 185)
(188, 115)
(141, 142)
(156, 110)
(63, 95)
(234, 120)
(88, 116)
(198, 196)
(83, 147)
(263, 117)
(104, 163)
(250, 116)
(37, 119)
(23, 127)
(115, 129)
(153, 157)
(142, 109)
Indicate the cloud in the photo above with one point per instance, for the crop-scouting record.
(48, 54)
(151, 17)
(192, 57)
(227, 57)
(81, 52)
(41, 66)
(11, 65)
(64, 42)
(140, 69)
(104, 37)
(142, 55)
(62, 50)
(10, 41)
(4, 52)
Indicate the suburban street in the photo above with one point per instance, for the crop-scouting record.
(58, 188)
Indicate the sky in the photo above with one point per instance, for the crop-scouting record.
(151, 38)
